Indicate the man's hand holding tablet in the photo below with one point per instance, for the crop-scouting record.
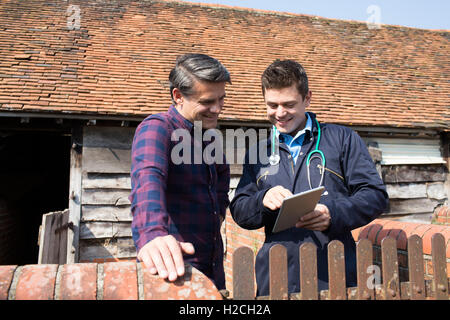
(300, 210)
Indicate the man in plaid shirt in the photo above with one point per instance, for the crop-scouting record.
(178, 207)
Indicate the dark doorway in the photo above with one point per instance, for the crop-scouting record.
(34, 180)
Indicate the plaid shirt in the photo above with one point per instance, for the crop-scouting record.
(186, 201)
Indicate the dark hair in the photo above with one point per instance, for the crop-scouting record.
(285, 73)
(193, 66)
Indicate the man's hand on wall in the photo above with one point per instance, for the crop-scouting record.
(164, 255)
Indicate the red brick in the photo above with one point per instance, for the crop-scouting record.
(421, 229)
(448, 269)
(429, 267)
(6, 276)
(395, 232)
(355, 234)
(384, 232)
(120, 281)
(364, 231)
(409, 228)
(446, 234)
(78, 282)
(372, 235)
(426, 238)
(37, 282)
(402, 241)
(193, 286)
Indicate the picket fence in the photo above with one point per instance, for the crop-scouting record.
(388, 288)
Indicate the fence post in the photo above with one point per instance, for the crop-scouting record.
(389, 260)
(415, 267)
(278, 273)
(364, 259)
(336, 271)
(308, 271)
(243, 274)
(440, 282)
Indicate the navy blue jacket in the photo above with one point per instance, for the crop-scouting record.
(354, 194)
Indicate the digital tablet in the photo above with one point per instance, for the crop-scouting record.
(295, 207)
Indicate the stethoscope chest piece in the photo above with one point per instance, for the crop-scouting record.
(274, 159)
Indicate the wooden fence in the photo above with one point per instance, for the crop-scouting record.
(53, 238)
(389, 287)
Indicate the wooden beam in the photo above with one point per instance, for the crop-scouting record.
(75, 195)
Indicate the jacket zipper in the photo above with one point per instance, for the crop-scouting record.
(264, 175)
(329, 170)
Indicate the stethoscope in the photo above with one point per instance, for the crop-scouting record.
(274, 158)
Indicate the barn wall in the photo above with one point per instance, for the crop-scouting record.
(105, 222)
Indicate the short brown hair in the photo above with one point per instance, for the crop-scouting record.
(285, 73)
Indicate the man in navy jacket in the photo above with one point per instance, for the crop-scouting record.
(354, 192)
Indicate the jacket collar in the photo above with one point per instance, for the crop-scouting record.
(314, 128)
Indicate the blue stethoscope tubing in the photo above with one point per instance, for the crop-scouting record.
(316, 153)
(319, 154)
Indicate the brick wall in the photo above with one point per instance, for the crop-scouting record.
(237, 237)
(91, 281)
(375, 232)
(441, 216)
(401, 231)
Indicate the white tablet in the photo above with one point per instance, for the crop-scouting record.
(295, 207)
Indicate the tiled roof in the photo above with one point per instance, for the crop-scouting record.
(118, 62)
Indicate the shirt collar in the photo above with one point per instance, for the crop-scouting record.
(288, 139)
(179, 119)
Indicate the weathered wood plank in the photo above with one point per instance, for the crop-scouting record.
(106, 181)
(389, 260)
(278, 273)
(75, 193)
(106, 197)
(415, 268)
(53, 240)
(364, 259)
(243, 274)
(412, 206)
(234, 181)
(98, 230)
(436, 191)
(106, 160)
(236, 169)
(308, 272)
(106, 213)
(112, 137)
(336, 271)
(407, 191)
(106, 249)
(375, 153)
(44, 240)
(438, 255)
(411, 217)
(63, 232)
(415, 174)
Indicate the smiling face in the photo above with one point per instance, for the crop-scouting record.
(286, 108)
(204, 104)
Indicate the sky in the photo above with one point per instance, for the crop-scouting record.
(424, 14)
